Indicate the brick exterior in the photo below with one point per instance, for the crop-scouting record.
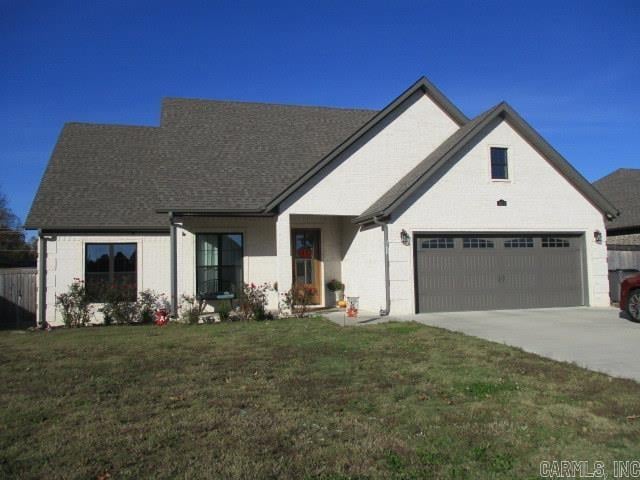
(462, 200)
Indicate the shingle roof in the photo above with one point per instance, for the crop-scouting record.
(222, 156)
(622, 187)
(437, 160)
(230, 156)
(101, 176)
(205, 155)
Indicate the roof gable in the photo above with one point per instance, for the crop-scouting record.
(422, 85)
(434, 162)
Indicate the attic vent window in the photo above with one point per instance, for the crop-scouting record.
(499, 166)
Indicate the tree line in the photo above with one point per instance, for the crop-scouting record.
(15, 249)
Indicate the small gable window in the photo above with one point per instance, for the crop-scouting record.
(499, 164)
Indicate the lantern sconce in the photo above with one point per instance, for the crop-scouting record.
(597, 236)
(404, 237)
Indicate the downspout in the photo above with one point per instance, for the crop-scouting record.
(387, 283)
(42, 280)
(174, 265)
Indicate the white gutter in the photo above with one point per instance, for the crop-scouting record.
(387, 283)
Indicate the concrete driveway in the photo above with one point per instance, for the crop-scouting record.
(595, 338)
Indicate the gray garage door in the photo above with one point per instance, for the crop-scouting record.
(495, 272)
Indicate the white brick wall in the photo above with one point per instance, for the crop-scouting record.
(259, 264)
(363, 266)
(65, 261)
(364, 172)
(358, 177)
(464, 199)
(65, 257)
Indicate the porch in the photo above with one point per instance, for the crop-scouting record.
(211, 256)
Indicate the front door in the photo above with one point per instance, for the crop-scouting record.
(306, 260)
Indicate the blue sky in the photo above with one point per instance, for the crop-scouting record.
(572, 69)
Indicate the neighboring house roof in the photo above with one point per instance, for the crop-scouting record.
(464, 136)
(205, 156)
(622, 187)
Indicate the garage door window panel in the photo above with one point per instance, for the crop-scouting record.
(551, 242)
(470, 242)
(525, 242)
(437, 243)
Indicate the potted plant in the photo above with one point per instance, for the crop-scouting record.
(336, 287)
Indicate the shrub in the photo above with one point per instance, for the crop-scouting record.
(162, 303)
(253, 301)
(298, 299)
(224, 310)
(74, 305)
(119, 309)
(147, 304)
(192, 308)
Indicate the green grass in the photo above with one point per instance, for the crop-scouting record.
(298, 399)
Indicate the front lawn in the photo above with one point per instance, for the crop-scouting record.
(298, 399)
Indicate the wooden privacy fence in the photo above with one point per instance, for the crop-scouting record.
(18, 292)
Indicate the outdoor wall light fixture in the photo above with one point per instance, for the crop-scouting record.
(404, 237)
(597, 236)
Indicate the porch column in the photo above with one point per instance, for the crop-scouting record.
(174, 265)
(283, 253)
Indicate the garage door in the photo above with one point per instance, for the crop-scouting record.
(496, 272)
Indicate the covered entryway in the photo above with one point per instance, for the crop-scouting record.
(490, 272)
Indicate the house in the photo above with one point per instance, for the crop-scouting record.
(415, 207)
(623, 232)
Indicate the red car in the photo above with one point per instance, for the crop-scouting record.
(630, 297)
